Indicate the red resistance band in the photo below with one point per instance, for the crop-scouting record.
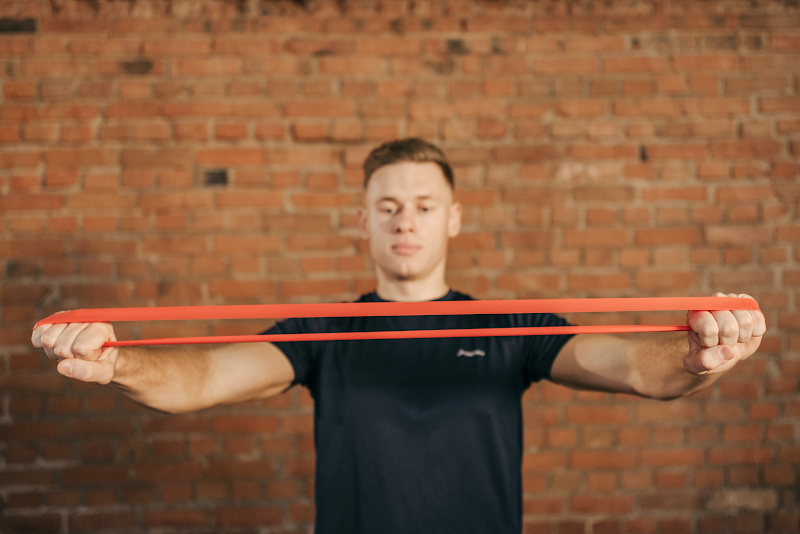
(388, 309)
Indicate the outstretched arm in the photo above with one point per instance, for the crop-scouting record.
(662, 366)
(171, 379)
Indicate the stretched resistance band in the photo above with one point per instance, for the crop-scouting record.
(388, 309)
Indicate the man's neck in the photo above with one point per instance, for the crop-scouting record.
(411, 290)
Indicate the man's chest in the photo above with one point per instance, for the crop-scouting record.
(467, 361)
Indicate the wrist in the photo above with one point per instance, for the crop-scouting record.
(121, 365)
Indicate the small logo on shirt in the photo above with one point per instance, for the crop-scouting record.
(470, 353)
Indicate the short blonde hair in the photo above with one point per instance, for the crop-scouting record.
(409, 149)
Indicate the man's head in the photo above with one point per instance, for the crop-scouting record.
(409, 213)
(410, 149)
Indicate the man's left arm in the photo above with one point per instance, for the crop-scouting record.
(662, 365)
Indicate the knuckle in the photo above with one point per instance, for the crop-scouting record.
(48, 340)
(729, 330)
(709, 332)
(62, 351)
(83, 348)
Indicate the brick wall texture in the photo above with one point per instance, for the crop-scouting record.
(208, 152)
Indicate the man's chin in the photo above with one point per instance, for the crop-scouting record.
(404, 273)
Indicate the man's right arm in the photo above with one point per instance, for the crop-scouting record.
(174, 379)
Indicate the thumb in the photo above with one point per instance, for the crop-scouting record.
(710, 360)
(100, 372)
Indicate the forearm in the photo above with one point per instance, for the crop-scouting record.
(650, 365)
(658, 368)
(170, 379)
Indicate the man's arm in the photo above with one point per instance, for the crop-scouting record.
(661, 366)
(172, 379)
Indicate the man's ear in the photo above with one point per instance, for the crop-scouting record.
(363, 222)
(454, 220)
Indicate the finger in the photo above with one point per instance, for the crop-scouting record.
(744, 320)
(86, 371)
(759, 322)
(88, 344)
(745, 350)
(728, 327)
(711, 360)
(705, 326)
(49, 338)
(63, 346)
(36, 335)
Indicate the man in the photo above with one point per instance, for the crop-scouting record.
(412, 435)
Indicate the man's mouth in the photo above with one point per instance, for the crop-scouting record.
(405, 249)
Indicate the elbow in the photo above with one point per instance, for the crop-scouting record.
(669, 394)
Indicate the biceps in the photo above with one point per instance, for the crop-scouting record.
(598, 362)
(245, 371)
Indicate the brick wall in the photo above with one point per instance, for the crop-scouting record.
(178, 153)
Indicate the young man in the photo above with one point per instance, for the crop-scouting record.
(412, 435)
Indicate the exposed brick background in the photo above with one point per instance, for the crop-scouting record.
(636, 148)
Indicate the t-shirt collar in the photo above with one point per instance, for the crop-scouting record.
(373, 297)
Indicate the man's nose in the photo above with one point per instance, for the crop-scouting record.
(404, 221)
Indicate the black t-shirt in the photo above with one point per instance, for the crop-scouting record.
(419, 435)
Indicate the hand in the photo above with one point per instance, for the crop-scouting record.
(78, 347)
(718, 340)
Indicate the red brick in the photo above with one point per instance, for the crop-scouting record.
(677, 151)
(246, 46)
(594, 44)
(230, 132)
(635, 64)
(197, 109)
(745, 149)
(133, 109)
(238, 469)
(177, 47)
(598, 415)
(592, 282)
(675, 193)
(689, 236)
(320, 200)
(231, 156)
(175, 518)
(313, 287)
(19, 90)
(737, 235)
(601, 505)
(90, 520)
(596, 151)
(597, 238)
(671, 411)
(248, 517)
(672, 457)
(666, 280)
(706, 63)
(168, 472)
(727, 456)
(651, 107)
(207, 67)
(565, 65)
(242, 244)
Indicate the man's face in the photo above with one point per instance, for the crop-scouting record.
(408, 217)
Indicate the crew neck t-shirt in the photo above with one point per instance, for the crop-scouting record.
(419, 435)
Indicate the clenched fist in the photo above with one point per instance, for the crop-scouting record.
(78, 347)
(718, 340)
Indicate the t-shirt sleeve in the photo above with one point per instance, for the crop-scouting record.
(542, 350)
(303, 355)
